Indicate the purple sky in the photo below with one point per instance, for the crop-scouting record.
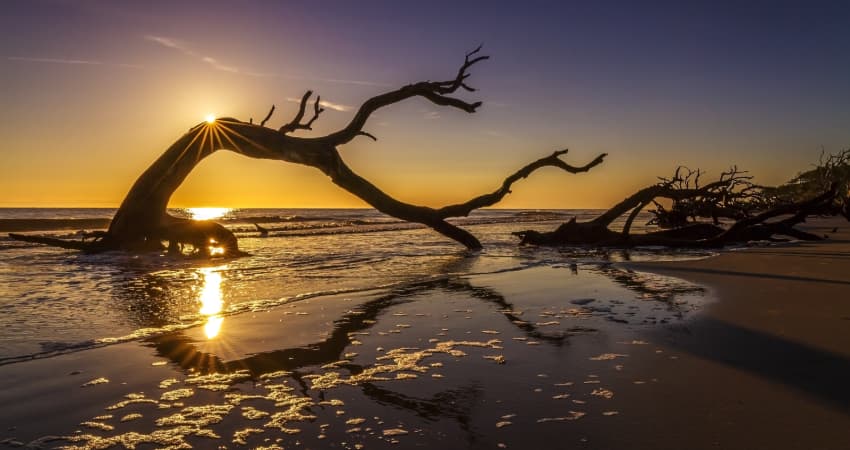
(93, 91)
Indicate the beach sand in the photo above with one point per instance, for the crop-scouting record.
(750, 351)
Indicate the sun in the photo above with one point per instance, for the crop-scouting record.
(210, 118)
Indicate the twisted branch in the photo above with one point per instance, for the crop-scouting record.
(436, 92)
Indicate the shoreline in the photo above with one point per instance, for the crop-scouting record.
(754, 368)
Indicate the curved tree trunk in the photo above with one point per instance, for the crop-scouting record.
(143, 223)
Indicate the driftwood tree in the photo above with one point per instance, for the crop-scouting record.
(831, 169)
(142, 222)
(731, 196)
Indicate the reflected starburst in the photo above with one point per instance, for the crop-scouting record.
(211, 300)
(213, 326)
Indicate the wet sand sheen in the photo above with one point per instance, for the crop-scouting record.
(606, 357)
(412, 364)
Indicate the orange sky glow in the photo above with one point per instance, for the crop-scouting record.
(94, 92)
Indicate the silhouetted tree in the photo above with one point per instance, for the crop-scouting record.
(731, 196)
(831, 169)
(142, 223)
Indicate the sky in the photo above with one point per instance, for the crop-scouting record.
(91, 92)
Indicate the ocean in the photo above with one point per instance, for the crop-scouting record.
(54, 301)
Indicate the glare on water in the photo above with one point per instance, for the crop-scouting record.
(211, 300)
(207, 213)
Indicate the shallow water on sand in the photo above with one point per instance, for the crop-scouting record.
(54, 301)
(507, 357)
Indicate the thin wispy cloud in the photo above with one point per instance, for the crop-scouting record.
(219, 66)
(325, 104)
(356, 82)
(329, 80)
(215, 63)
(184, 48)
(87, 62)
(164, 41)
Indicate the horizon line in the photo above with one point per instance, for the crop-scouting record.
(269, 207)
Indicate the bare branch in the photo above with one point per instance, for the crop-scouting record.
(796, 208)
(368, 135)
(436, 92)
(268, 116)
(677, 188)
(346, 178)
(317, 109)
(553, 160)
(451, 86)
(296, 124)
(628, 225)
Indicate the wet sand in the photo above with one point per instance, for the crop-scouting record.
(766, 366)
(750, 352)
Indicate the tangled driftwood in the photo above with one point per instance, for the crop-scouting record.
(731, 196)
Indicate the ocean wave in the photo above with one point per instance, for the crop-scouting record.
(15, 225)
(272, 223)
(294, 218)
(369, 226)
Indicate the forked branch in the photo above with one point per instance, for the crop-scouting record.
(296, 124)
(436, 92)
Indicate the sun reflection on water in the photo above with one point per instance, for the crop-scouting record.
(211, 300)
(216, 251)
(207, 213)
(213, 326)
